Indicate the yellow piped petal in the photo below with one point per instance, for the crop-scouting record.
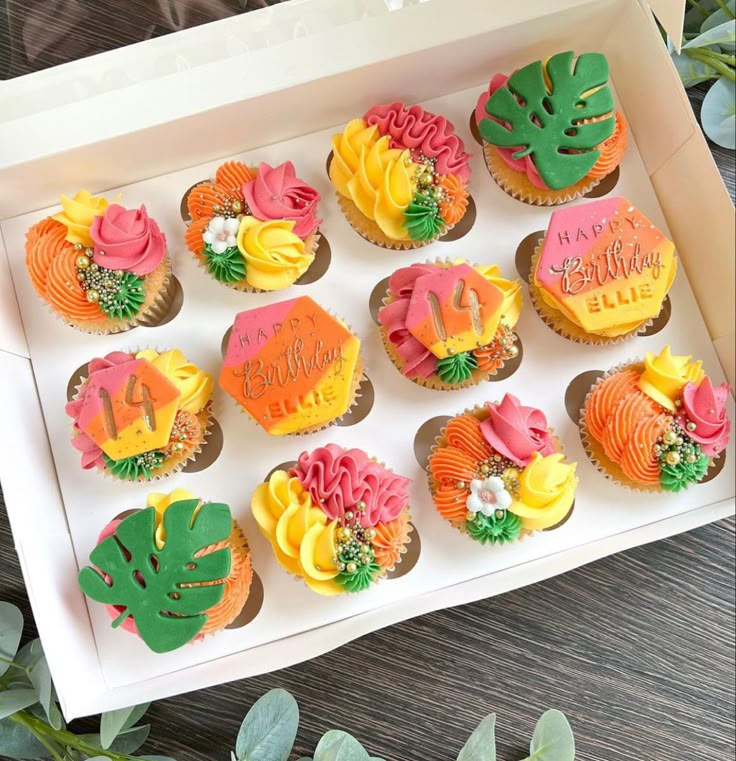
(347, 148)
(161, 502)
(665, 376)
(318, 550)
(194, 384)
(512, 293)
(78, 214)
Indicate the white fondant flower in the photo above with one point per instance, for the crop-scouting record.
(221, 234)
(488, 496)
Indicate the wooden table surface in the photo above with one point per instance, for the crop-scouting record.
(637, 649)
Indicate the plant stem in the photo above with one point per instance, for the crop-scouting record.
(715, 63)
(21, 718)
(704, 14)
(722, 5)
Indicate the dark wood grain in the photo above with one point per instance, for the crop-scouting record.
(638, 649)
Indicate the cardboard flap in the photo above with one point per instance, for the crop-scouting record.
(671, 14)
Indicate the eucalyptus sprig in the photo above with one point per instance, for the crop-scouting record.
(32, 727)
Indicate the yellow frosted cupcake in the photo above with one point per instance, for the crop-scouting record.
(141, 415)
(254, 229)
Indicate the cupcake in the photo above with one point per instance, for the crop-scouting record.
(657, 425)
(141, 415)
(101, 268)
(550, 131)
(338, 519)
(401, 175)
(146, 567)
(254, 228)
(602, 272)
(498, 473)
(292, 366)
(448, 325)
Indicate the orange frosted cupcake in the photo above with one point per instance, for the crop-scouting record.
(550, 130)
(102, 268)
(657, 425)
(184, 570)
(254, 228)
(338, 519)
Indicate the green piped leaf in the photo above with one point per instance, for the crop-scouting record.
(137, 466)
(152, 584)
(227, 267)
(546, 125)
(457, 368)
(269, 730)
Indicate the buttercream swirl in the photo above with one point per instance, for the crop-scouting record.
(546, 491)
(277, 193)
(665, 376)
(194, 384)
(275, 257)
(341, 480)
(511, 289)
(517, 432)
(346, 151)
(78, 215)
(422, 132)
(705, 410)
(128, 240)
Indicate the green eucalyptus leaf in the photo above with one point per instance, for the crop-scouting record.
(719, 16)
(719, 113)
(156, 758)
(269, 730)
(18, 742)
(99, 758)
(112, 723)
(722, 34)
(41, 678)
(692, 72)
(13, 701)
(29, 655)
(127, 741)
(305, 758)
(340, 746)
(11, 629)
(694, 17)
(482, 743)
(553, 739)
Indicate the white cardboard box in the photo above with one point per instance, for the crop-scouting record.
(319, 63)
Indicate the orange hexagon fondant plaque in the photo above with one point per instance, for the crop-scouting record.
(454, 310)
(290, 365)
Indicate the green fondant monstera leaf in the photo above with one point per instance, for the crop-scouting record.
(545, 122)
(152, 584)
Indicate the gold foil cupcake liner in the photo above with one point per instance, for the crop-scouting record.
(563, 325)
(480, 412)
(175, 462)
(518, 185)
(433, 382)
(369, 230)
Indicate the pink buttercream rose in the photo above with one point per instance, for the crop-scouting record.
(705, 406)
(338, 479)
(277, 193)
(517, 432)
(92, 455)
(422, 132)
(524, 165)
(128, 240)
(418, 360)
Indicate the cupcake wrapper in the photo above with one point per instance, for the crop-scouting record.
(565, 327)
(434, 382)
(159, 293)
(481, 413)
(519, 186)
(369, 230)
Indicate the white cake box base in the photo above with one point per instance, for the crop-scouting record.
(307, 87)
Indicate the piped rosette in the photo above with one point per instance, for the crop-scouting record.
(172, 573)
(101, 267)
(498, 472)
(550, 131)
(139, 416)
(338, 519)
(448, 324)
(401, 175)
(657, 425)
(254, 228)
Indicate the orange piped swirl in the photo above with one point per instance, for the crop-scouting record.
(487, 360)
(606, 395)
(44, 242)
(193, 236)
(232, 175)
(453, 208)
(390, 540)
(64, 292)
(463, 433)
(237, 584)
(203, 198)
(612, 150)
(451, 502)
(627, 414)
(450, 465)
(638, 461)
